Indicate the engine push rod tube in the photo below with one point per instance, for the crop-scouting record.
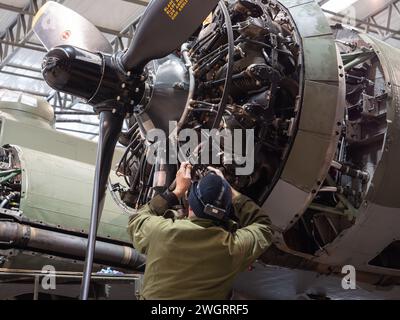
(348, 171)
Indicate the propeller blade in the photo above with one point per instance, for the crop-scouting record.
(57, 25)
(165, 25)
(110, 129)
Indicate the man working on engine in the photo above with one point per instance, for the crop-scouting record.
(199, 257)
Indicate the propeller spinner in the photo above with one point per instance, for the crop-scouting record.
(80, 63)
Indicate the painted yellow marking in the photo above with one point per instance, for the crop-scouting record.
(175, 7)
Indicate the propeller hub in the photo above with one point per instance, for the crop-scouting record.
(97, 78)
(64, 67)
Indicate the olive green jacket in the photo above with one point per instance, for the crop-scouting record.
(195, 258)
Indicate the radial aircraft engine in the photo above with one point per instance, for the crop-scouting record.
(322, 101)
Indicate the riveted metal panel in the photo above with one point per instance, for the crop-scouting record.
(282, 210)
(21, 126)
(58, 191)
(386, 179)
(319, 108)
(307, 161)
(320, 59)
(313, 152)
(316, 141)
(376, 228)
(310, 20)
(377, 224)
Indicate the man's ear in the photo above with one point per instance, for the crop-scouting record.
(191, 213)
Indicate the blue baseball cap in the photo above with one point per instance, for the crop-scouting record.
(211, 198)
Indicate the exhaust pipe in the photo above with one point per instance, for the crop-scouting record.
(34, 239)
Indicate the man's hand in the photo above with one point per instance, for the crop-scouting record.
(183, 180)
(219, 173)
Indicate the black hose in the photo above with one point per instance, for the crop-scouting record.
(217, 52)
(197, 46)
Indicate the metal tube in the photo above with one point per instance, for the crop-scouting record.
(57, 243)
(348, 171)
(230, 65)
(360, 59)
(328, 189)
(8, 199)
(4, 203)
(342, 198)
(192, 87)
(325, 209)
(8, 172)
(336, 165)
(9, 177)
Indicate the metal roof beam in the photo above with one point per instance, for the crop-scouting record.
(22, 67)
(62, 101)
(388, 8)
(11, 8)
(31, 92)
(25, 12)
(340, 17)
(380, 10)
(14, 44)
(384, 31)
(18, 33)
(16, 74)
(391, 35)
